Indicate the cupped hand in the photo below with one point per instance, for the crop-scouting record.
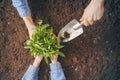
(37, 61)
(55, 59)
(93, 12)
(30, 25)
(31, 31)
(38, 58)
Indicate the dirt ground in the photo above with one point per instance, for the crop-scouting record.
(95, 55)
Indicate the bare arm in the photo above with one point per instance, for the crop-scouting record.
(30, 24)
(25, 13)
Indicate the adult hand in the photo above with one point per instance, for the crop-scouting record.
(93, 12)
(31, 31)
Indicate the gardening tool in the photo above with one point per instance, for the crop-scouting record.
(70, 31)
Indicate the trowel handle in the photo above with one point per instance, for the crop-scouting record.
(77, 25)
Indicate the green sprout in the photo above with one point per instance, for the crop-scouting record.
(43, 42)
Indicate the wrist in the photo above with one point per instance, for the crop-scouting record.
(29, 22)
(55, 59)
(37, 61)
(30, 27)
(36, 65)
(100, 1)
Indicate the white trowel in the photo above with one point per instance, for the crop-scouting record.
(70, 31)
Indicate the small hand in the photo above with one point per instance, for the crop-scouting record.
(93, 12)
(37, 61)
(31, 31)
(55, 59)
(30, 25)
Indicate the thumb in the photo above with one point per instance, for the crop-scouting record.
(81, 19)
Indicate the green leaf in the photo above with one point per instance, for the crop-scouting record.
(51, 56)
(44, 26)
(61, 54)
(28, 47)
(28, 42)
(46, 60)
(43, 42)
(40, 22)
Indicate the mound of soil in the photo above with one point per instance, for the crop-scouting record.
(95, 55)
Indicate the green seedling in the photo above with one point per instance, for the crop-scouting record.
(43, 42)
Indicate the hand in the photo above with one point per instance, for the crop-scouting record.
(93, 12)
(30, 25)
(55, 59)
(31, 31)
(37, 61)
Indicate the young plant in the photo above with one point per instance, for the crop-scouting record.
(43, 42)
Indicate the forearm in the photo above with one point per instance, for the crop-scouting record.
(24, 12)
(37, 61)
(29, 22)
(99, 1)
(102, 1)
(32, 71)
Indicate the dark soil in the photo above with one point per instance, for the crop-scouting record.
(66, 35)
(95, 55)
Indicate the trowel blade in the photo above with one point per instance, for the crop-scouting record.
(70, 31)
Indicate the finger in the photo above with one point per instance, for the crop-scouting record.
(98, 16)
(95, 18)
(55, 58)
(39, 58)
(34, 56)
(86, 23)
(56, 55)
(81, 19)
(90, 20)
(30, 36)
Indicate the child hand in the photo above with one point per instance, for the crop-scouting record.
(37, 61)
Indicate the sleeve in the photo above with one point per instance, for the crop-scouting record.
(31, 73)
(56, 71)
(22, 7)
